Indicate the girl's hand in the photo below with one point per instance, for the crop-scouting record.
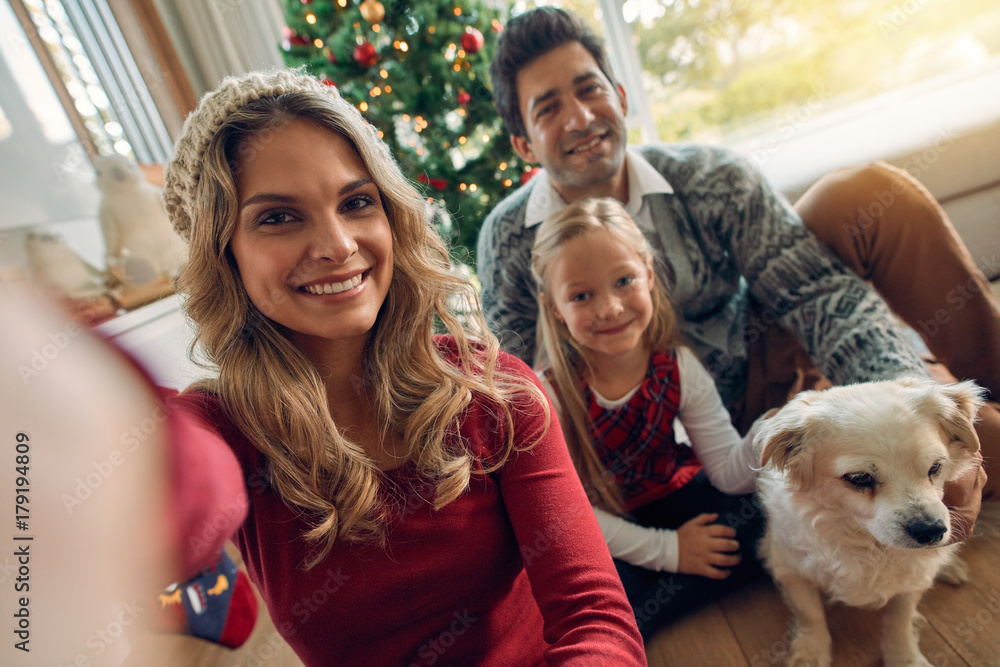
(705, 547)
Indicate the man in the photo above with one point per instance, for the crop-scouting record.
(743, 269)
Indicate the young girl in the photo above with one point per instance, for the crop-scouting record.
(409, 501)
(612, 364)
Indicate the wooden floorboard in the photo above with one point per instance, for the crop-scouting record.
(687, 637)
(962, 629)
(760, 622)
(968, 617)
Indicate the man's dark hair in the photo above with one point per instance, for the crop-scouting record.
(528, 37)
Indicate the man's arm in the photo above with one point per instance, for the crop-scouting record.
(503, 259)
(844, 324)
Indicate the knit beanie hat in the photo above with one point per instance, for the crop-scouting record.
(184, 170)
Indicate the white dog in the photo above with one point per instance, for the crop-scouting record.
(852, 486)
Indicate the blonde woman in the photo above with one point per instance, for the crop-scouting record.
(612, 362)
(410, 497)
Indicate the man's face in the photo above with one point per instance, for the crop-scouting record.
(574, 120)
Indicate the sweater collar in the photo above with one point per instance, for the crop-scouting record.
(643, 180)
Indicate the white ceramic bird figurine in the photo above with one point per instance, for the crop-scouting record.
(55, 266)
(141, 246)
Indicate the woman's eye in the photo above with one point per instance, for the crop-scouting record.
(935, 469)
(625, 281)
(274, 218)
(582, 296)
(359, 202)
(860, 480)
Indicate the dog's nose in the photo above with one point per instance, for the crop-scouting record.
(926, 532)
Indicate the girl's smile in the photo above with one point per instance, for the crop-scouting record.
(614, 330)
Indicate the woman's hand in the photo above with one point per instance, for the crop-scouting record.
(94, 507)
(706, 548)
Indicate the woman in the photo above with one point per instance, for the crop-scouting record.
(411, 500)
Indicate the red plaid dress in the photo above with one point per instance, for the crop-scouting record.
(636, 441)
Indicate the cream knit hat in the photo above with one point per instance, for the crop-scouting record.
(184, 170)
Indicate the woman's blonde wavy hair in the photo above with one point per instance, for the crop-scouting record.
(563, 356)
(275, 395)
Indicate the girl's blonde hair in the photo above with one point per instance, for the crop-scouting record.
(276, 396)
(561, 354)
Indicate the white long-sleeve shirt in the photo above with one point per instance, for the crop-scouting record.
(724, 455)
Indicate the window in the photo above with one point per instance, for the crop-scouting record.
(108, 90)
(725, 70)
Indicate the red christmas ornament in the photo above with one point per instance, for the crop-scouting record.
(472, 40)
(439, 183)
(365, 55)
(422, 178)
(299, 40)
(530, 174)
(463, 98)
(332, 57)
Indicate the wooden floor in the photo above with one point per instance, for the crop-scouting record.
(753, 627)
(749, 628)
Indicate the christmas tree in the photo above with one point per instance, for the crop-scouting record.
(419, 72)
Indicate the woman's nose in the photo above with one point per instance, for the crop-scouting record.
(334, 240)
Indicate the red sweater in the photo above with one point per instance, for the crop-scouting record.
(514, 572)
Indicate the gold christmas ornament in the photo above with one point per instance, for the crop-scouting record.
(372, 10)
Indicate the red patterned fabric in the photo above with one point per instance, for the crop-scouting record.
(636, 441)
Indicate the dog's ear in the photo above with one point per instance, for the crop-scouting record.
(958, 413)
(781, 447)
(782, 441)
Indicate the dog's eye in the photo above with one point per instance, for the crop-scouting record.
(860, 480)
(935, 469)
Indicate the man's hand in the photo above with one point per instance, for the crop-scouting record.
(963, 498)
(705, 547)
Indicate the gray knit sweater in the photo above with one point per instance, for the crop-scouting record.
(727, 239)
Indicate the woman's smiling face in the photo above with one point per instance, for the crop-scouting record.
(312, 240)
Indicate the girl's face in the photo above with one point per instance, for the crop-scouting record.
(601, 289)
(312, 241)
